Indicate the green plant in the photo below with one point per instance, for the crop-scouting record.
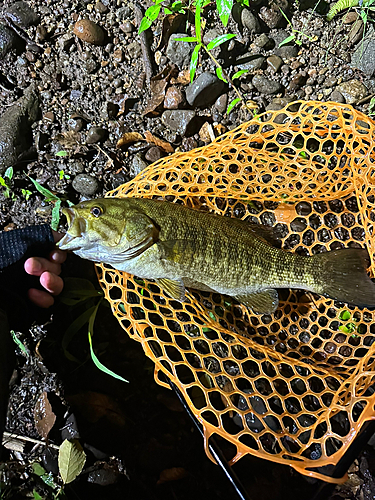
(363, 7)
(82, 292)
(296, 34)
(63, 175)
(371, 107)
(6, 182)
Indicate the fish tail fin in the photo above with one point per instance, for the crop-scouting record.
(343, 276)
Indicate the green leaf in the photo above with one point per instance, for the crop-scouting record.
(36, 495)
(72, 458)
(3, 183)
(74, 327)
(194, 61)
(38, 469)
(56, 215)
(239, 73)
(145, 24)
(9, 173)
(344, 315)
(19, 343)
(187, 39)
(153, 12)
(232, 104)
(62, 153)
(44, 191)
(197, 20)
(224, 8)
(287, 40)
(219, 40)
(219, 72)
(98, 364)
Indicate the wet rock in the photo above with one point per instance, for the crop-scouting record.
(285, 51)
(15, 128)
(179, 52)
(85, 184)
(96, 134)
(134, 50)
(265, 86)
(363, 56)
(89, 32)
(355, 34)
(178, 120)
(8, 40)
(173, 98)
(262, 41)
(21, 14)
(352, 90)
(221, 103)
(204, 90)
(138, 164)
(272, 15)
(127, 27)
(297, 81)
(211, 35)
(274, 62)
(250, 61)
(188, 143)
(153, 154)
(250, 21)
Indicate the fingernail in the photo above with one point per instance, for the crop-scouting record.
(37, 266)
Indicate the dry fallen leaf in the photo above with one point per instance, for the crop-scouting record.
(171, 23)
(95, 405)
(158, 84)
(173, 474)
(164, 145)
(69, 139)
(183, 77)
(129, 138)
(44, 418)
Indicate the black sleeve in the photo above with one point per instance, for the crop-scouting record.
(15, 247)
(20, 243)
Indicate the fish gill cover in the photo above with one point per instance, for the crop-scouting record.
(294, 386)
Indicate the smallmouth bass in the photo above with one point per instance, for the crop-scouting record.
(179, 247)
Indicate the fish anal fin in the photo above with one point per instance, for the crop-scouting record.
(174, 288)
(264, 302)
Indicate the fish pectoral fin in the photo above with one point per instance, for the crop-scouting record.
(174, 288)
(141, 233)
(264, 302)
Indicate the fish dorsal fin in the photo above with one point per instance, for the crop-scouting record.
(264, 302)
(174, 288)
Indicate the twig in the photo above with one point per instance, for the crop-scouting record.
(8, 436)
(145, 46)
(365, 99)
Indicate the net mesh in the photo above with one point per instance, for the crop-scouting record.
(294, 386)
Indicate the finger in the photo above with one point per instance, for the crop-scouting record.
(40, 298)
(51, 282)
(56, 236)
(37, 265)
(58, 256)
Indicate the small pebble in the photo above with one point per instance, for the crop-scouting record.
(221, 103)
(153, 154)
(118, 56)
(96, 134)
(352, 90)
(264, 85)
(173, 98)
(188, 143)
(250, 61)
(138, 164)
(89, 32)
(204, 90)
(262, 41)
(127, 27)
(178, 120)
(76, 124)
(21, 14)
(274, 62)
(49, 116)
(85, 184)
(101, 8)
(250, 22)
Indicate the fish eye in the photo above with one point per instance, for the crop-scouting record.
(96, 211)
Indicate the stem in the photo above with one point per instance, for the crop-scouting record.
(227, 77)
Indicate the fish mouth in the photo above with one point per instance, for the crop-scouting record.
(75, 232)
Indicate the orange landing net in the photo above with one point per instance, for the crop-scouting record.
(295, 386)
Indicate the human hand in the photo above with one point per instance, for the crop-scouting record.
(48, 271)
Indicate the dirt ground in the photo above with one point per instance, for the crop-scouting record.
(80, 87)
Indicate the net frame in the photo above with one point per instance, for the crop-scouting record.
(302, 404)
